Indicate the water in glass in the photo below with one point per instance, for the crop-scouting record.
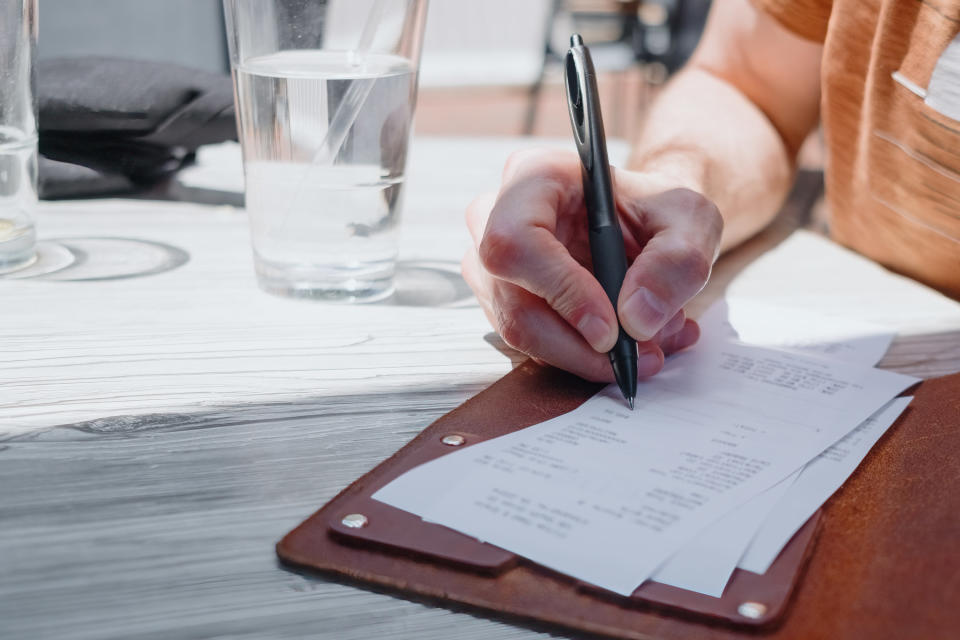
(324, 208)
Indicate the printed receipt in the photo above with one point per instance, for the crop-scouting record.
(607, 495)
(815, 484)
(706, 563)
(752, 535)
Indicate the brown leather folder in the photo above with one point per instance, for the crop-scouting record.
(904, 503)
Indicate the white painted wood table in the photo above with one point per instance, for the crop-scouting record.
(160, 432)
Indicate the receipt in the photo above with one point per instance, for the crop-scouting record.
(815, 484)
(706, 563)
(607, 495)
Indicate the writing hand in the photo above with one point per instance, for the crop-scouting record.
(530, 264)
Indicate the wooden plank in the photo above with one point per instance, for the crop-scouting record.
(161, 433)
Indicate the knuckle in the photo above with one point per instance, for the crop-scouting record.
(703, 211)
(499, 252)
(565, 297)
(708, 217)
(514, 162)
(538, 164)
(692, 262)
(691, 199)
(513, 330)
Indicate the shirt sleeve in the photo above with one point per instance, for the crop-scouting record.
(806, 18)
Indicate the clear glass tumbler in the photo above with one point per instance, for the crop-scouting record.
(325, 93)
(18, 133)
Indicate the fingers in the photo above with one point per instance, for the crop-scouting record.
(478, 281)
(678, 334)
(519, 246)
(528, 324)
(528, 270)
(649, 359)
(674, 264)
(672, 326)
(477, 213)
(685, 336)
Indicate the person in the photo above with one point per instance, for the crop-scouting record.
(714, 163)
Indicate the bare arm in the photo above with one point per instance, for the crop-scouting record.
(730, 124)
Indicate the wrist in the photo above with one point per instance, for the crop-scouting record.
(671, 168)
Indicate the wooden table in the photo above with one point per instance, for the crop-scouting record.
(159, 433)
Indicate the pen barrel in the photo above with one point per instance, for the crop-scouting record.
(598, 189)
(623, 359)
(609, 267)
(609, 259)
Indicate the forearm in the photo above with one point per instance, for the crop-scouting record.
(703, 134)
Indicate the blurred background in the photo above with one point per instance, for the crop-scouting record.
(490, 67)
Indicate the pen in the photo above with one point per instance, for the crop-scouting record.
(606, 242)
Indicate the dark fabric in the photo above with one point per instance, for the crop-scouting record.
(58, 180)
(134, 119)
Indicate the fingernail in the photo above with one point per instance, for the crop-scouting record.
(648, 364)
(598, 333)
(644, 314)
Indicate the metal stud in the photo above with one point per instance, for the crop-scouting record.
(453, 440)
(355, 521)
(752, 610)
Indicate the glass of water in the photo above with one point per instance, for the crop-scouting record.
(18, 134)
(325, 93)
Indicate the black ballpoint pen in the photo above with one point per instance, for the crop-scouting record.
(606, 242)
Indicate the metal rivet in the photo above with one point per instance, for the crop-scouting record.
(453, 441)
(355, 520)
(752, 610)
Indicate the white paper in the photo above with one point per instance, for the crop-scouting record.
(706, 563)
(808, 271)
(766, 325)
(816, 483)
(606, 495)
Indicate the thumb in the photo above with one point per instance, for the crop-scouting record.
(673, 265)
(663, 278)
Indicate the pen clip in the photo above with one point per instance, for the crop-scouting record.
(577, 65)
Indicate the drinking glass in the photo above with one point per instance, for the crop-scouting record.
(325, 94)
(18, 133)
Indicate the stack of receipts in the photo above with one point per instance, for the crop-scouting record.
(730, 449)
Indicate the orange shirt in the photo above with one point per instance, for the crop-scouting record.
(891, 118)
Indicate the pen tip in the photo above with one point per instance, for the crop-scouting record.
(576, 40)
(630, 402)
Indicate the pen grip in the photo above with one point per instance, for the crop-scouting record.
(609, 259)
(609, 267)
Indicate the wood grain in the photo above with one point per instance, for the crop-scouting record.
(159, 434)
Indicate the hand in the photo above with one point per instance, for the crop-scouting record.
(530, 264)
